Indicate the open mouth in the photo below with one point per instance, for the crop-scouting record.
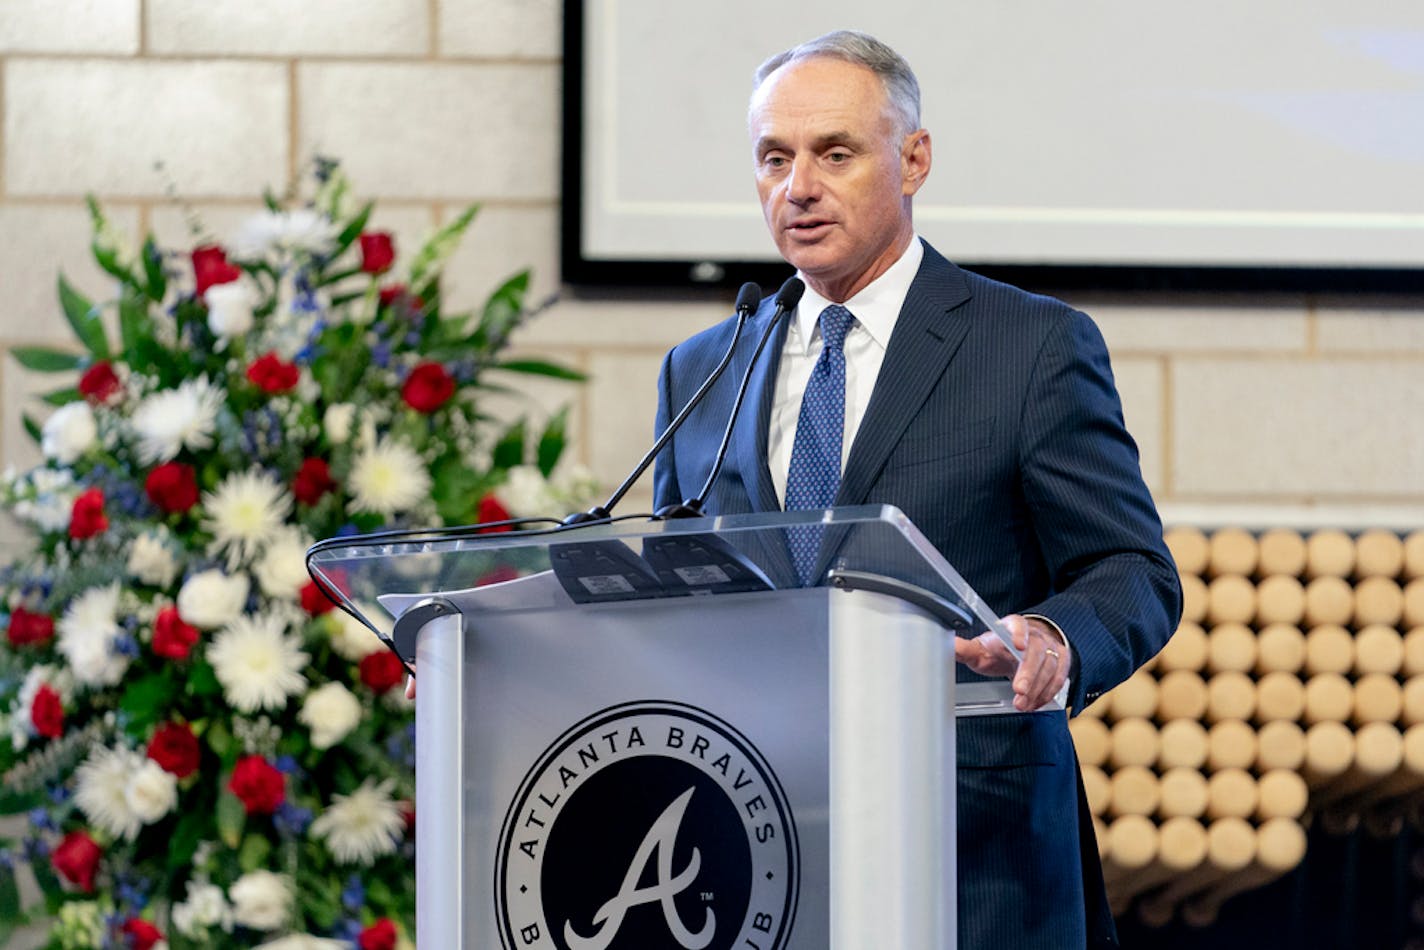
(809, 228)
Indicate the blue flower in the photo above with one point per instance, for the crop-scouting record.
(291, 820)
(353, 895)
(381, 354)
(41, 819)
(125, 645)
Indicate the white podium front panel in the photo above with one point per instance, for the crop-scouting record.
(664, 774)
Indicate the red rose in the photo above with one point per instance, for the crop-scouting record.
(27, 627)
(100, 384)
(47, 713)
(173, 487)
(315, 601)
(140, 933)
(87, 518)
(312, 481)
(380, 671)
(400, 292)
(258, 785)
(378, 252)
(210, 266)
(76, 858)
(379, 936)
(269, 374)
(491, 510)
(428, 387)
(175, 749)
(171, 636)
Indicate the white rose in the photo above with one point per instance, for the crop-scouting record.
(151, 562)
(151, 792)
(330, 712)
(337, 422)
(68, 433)
(352, 639)
(205, 907)
(282, 569)
(526, 493)
(212, 599)
(261, 900)
(229, 309)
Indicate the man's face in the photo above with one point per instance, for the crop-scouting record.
(834, 173)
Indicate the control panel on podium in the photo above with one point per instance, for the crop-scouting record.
(702, 733)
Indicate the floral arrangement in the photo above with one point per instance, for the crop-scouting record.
(209, 755)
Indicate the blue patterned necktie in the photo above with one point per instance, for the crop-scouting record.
(814, 476)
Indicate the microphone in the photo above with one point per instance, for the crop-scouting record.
(786, 300)
(748, 299)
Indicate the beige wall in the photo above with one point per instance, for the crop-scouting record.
(1239, 405)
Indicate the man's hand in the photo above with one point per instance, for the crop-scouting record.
(410, 682)
(1037, 677)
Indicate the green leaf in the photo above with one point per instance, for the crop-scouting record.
(83, 317)
(352, 230)
(13, 802)
(62, 397)
(542, 368)
(552, 441)
(141, 348)
(153, 270)
(509, 450)
(202, 681)
(502, 311)
(254, 852)
(31, 426)
(48, 881)
(231, 816)
(427, 261)
(184, 842)
(147, 700)
(42, 359)
(457, 490)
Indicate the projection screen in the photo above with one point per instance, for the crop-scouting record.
(1106, 136)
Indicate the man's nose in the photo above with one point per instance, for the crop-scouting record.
(803, 184)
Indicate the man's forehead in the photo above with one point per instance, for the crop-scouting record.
(827, 96)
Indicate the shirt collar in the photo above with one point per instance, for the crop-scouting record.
(876, 306)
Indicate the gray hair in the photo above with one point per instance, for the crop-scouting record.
(902, 89)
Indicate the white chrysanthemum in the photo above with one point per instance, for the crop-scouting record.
(362, 826)
(205, 907)
(152, 792)
(337, 422)
(388, 477)
(576, 486)
(86, 637)
(230, 308)
(330, 712)
(168, 421)
(68, 432)
(243, 513)
(151, 562)
(258, 665)
(352, 639)
(261, 900)
(102, 791)
(279, 233)
(281, 571)
(210, 599)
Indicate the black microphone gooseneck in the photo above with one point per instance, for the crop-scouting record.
(748, 299)
(786, 300)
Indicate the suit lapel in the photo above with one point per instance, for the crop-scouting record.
(749, 441)
(931, 325)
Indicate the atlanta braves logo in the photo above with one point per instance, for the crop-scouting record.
(672, 803)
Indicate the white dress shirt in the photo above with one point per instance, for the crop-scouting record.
(875, 309)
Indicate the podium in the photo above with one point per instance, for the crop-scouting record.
(664, 734)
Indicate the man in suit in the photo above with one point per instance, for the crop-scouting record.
(989, 416)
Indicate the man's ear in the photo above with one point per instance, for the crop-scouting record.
(915, 158)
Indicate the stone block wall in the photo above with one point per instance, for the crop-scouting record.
(1263, 405)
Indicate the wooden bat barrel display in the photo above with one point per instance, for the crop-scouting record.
(1292, 692)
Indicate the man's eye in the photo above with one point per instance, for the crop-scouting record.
(837, 158)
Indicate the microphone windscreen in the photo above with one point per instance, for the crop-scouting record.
(790, 294)
(748, 298)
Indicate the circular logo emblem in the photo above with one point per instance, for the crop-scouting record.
(651, 824)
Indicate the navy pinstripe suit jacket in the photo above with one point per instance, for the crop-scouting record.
(995, 426)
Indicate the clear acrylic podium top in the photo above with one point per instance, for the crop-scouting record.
(866, 547)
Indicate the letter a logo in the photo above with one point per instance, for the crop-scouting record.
(609, 918)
